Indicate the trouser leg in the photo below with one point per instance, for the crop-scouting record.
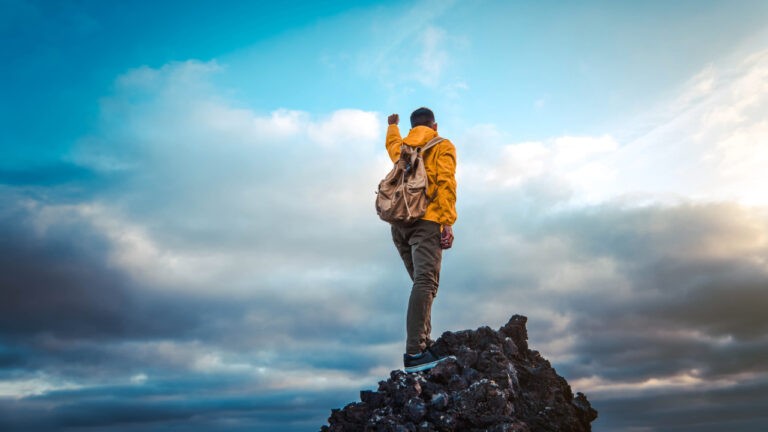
(400, 236)
(419, 246)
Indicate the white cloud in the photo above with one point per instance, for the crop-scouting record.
(208, 191)
(433, 57)
(259, 369)
(420, 51)
(139, 379)
(346, 129)
(573, 164)
(170, 78)
(690, 380)
(37, 385)
(710, 143)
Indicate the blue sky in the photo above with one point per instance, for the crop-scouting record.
(187, 204)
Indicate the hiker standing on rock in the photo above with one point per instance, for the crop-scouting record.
(421, 242)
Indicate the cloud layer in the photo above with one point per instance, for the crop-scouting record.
(234, 253)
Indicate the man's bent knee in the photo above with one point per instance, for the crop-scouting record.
(424, 287)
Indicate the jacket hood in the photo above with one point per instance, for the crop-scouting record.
(419, 136)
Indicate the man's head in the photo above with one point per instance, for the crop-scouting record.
(423, 117)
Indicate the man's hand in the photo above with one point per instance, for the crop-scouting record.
(393, 119)
(446, 237)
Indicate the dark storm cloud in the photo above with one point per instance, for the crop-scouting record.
(658, 302)
(68, 311)
(60, 283)
(50, 286)
(698, 286)
(739, 408)
(726, 305)
(673, 293)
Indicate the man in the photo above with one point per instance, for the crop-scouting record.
(421, 244)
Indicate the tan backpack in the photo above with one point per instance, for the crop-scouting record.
(402, 195)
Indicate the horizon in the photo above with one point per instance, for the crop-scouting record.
(188, 223)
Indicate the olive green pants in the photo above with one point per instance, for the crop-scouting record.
(419, 247)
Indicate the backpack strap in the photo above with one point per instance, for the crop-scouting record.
(433, 142)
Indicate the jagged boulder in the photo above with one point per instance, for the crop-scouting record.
(492, 382)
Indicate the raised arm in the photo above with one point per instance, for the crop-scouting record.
(394, 140)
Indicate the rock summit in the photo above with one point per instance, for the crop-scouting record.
(491, 382)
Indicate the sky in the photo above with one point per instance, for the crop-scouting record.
(188, 237)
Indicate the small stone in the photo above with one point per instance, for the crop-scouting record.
(415, 409)
(439, 401)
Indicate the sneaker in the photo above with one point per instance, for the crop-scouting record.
(421, 362)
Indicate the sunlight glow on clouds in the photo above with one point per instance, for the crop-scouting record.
(575, 161)
(711, 141)
(710, 144)
(687, 380)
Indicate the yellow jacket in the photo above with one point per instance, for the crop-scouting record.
(440, 164)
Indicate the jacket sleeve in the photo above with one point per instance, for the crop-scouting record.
(394, 142)
(446, 183)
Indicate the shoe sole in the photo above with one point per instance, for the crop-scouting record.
(425, 366)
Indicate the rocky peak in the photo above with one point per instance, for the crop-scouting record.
(492, 382)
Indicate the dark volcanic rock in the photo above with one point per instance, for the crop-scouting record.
(492, 382)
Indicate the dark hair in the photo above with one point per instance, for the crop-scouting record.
(422, 117)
